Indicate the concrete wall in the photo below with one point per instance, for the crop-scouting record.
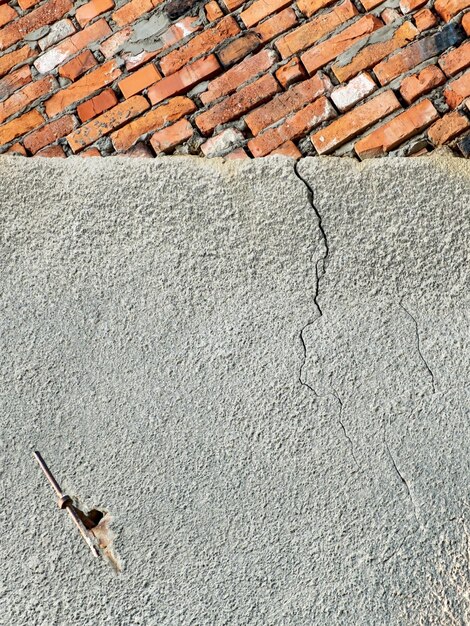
(272, 409)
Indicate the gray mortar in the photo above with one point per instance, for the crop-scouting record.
(262, 464)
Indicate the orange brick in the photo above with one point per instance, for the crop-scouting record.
(232, 79)
(27, 4)
(132, 10)
(22, 98)
(42, 16)
(16, 149)
(7, 14)
(288, 102)
(171, 136)
(447, 128)
(456, 60)
(110, 46)
(370, 4)
(291, 73)
(239, 153)
(457, 91)
(52, 151)
(97, 105)
(309, 33)
(78, 65)
(152, 121)
(424, 20)
(199, 45)
(231, 5)
(372, 54)
(289, 149)
(407, 6)
(138, 81)
(354, 123)
(276, 25)
(261, 9)
(14, 81)
(90, 153)
(293, 128)
(309, 7)
(239, 103)
(139, 151)
(415, 86)
(447, 9)
(389, 15)
(213, 11)
(71, 46)
(84, 87)
(183, 80)
(466, 23)
(49, 133)
(8, 61)
(20, 126)
(107, 122)
(239, 48)
(394, 133)
(347, 96)
(323, 53)
(92, 9)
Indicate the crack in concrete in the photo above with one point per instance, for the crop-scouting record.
(351, 444)
(418, 342)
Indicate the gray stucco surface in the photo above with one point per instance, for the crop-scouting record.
(265, 461)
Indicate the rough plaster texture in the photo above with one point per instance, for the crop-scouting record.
(265, 460)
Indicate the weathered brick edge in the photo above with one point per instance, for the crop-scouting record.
(363, 78)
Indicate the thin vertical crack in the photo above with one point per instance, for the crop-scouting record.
(319, 272)
(418, 343)
(340, 420)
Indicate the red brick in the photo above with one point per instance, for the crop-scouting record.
(276, 25)
(355, 122)
(239, 48)
(370, 4)
(309, 7)
(139, 151)
(20, 126)
(457, 90)
(97, 105)
(389, 15)
(347, 96)
(231, 5)
(49, 133)
(27, 4)
(466, 23)
(107, 122)
(293, 128)
(8, 61)
(78, 65)
(407, 6)
(71, 46)
(24, 97)
(447, 9)
(292, 72)
(424, 20)
(372, 54)
(288, 102)
(289, 149)
(42, 16)
(132, 10)
(110, 46)
(447, 128)
(83, 88)
(309, 33)
(52, 151)
(232, 79)
(90, 153)
(152, 121)
(7, 14)
(138, 81)
(456, 60)
(213, 11)
(239, 153)
(92, 9)
(239, 103)
(415, 86)
(199, 45)
(394, 133)
(171, 136)
(16, 149)
(14, 81)
(261, 9)
(183, 80)
(323, 53)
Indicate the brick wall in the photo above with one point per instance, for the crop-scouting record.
(244, 79)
